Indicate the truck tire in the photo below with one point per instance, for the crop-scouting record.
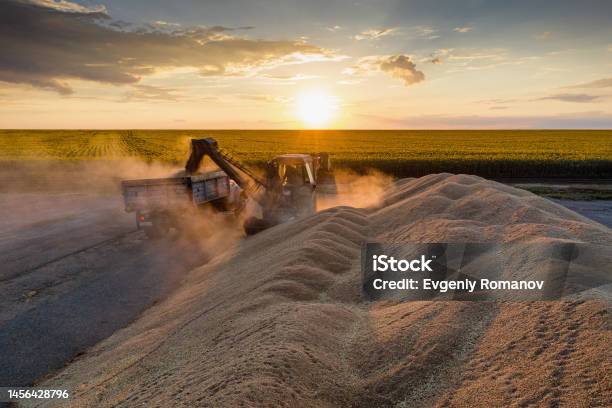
(253, 225)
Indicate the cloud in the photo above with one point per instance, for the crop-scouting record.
(438, 56)
(563, 97)
(598, 83)
(578, 98)
(397, 66)
(472, 55)
(142, 92)
(375, 34)
(426, 32)
(335, 28)
(163, 23)
(463, 30)
(66, 6)
(400, 67)
(498, 101)
(46, 44)
(263, 98)
(290, 78)
(470, 59)
(546, 35)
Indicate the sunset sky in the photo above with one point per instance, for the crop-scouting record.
(374, 64)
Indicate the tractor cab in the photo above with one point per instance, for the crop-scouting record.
(293, 178)
(295, 170)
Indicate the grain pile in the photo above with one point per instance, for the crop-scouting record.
(278, 320)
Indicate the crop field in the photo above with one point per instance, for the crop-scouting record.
(494, 153)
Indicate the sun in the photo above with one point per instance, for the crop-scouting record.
(316, 108)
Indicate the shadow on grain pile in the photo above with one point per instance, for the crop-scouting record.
(279, 320)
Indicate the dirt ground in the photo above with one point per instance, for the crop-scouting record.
(279, 320)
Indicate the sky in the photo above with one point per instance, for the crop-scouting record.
(262, 64)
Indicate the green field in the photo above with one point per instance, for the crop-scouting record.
(494, 153)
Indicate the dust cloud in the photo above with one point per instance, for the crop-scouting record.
(94, 176)
(43, 191)
(209, 232)
(60, 192)
(352, 189)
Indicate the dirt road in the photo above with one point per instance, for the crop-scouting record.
(74, 270)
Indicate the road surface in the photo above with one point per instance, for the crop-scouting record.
(74, 270)
(598, 210)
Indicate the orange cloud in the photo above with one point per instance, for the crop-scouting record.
(397, 66)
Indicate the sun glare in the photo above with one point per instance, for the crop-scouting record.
(315, 108)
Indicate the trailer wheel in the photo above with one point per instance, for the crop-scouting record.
(159, 229)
